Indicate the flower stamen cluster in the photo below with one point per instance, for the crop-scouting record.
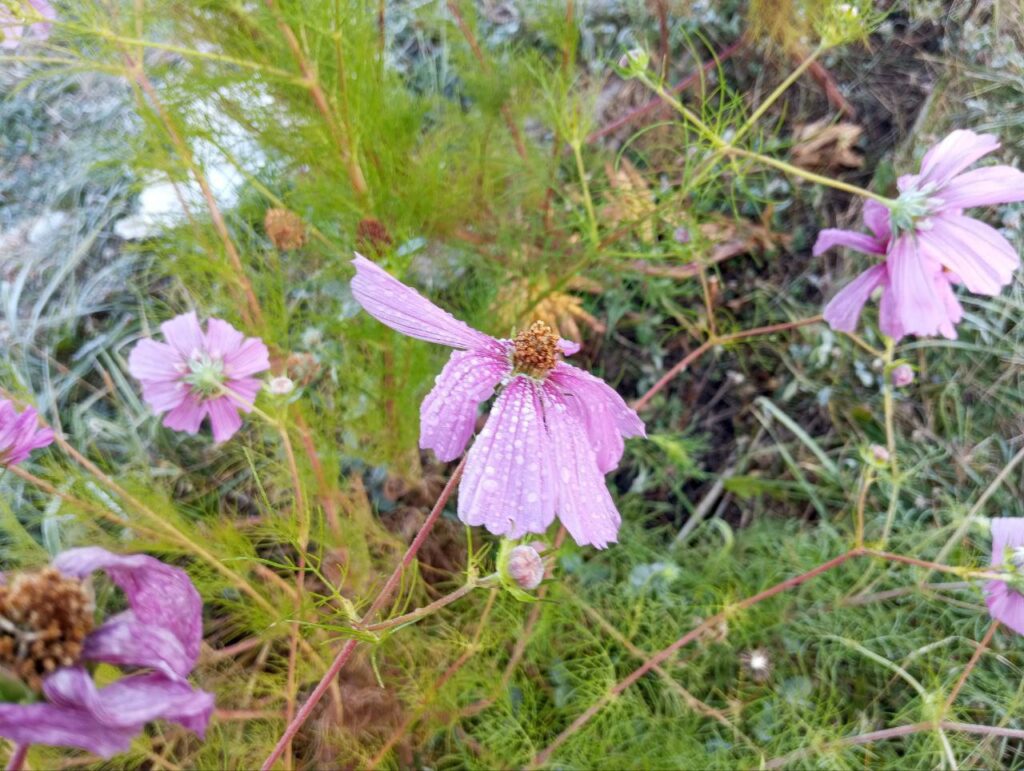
(535, 350)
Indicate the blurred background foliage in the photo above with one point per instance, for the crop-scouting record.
(161, 156)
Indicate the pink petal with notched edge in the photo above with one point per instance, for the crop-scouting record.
(448, 413)
(845, 308)
(983, 187)
(953, 246)
(132, 701)
(508, 485)
(221, 339)
(158, 594)
(1005, 604)
(55, 726)
(407, 311)
(876, 217)
(607, 418)
(224, 418)
(184, 334)
(583, 504)
(187, 416)
(988, 241)
(919, 309)
(249, 358)
(953, 154)
(950, 305)
(125, 641)
(860, 241)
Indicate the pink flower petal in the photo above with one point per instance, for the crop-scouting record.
(158, 594)
(508, 484)
(151, 361)
(849, 238)
(224, 418)
(957, 247)
(131, 702)
(124, 640)
(584, 505)
(988, 241)
(953, 154)
(247, 359)
(55, 726)
(246, 390)
(876, 217)
(164, 396)
(183, 334)
(20, 433)
(607, 418)
(920, 310)
(448, 413)
(221, 339)
(888, 316)
(569, 347)
(844, 309)
(983, 187)
(407, 311)
(187, 416)
(1005, 604)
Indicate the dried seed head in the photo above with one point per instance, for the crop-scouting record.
(525, 567)
(285, 229)
(372, 236)
(44, 617)
(535, 350)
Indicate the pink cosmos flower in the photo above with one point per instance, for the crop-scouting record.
(12, 27)
(187, 376)
(1005, 603)
(929, 244)
(47, 635)
(553, 432)
(20, 434)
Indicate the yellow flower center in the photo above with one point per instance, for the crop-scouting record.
(535, 350)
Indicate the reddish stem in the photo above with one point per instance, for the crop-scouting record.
(17, 760)
(350, 645)
(665, 653)
(978, 651)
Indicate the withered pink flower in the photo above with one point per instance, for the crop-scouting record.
(553, 433)
(47, 637)
(928, 243)
(25, 20)
(194, 375)
(1005, 602)
(20, 433)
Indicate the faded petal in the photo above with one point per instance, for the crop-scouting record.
(131, 702)
(983, 187)
(953, 154)
(583, 505)
(859, 241)
(1005, 604)
(187, 416)
(983, 263)
(844, 309)
(124, 640)
(56, 726)
(407, 311)
(158, 594)
(607, 418)
(184, 334)
(448, 413)
(918, 307)
(224, 418)
(508, 485)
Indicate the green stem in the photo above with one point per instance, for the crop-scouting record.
(588, 202)
(888, 407)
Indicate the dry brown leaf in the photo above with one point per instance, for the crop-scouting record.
(630, 200)
(827, 146)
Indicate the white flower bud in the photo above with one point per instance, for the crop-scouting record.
(525, 567)
(280, 386)
(903, 375)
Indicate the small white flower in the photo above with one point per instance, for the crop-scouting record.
(280, 386)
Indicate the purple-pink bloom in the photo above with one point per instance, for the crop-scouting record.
(158, 636)
(929, 244)
(20, 433)
(12, 23)
(1005, 603)
(553, 433)
(194, 375)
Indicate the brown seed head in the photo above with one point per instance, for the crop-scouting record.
(285, 229)
(44, 617)
(535, 350)
(372, 236)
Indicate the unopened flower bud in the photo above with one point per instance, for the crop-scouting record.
(879, 453)
(525, 567)
(280, 386)
(681, 235)
(902, 376)
(634, 62)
